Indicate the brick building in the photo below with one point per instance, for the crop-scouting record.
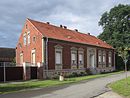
(7, 55)
(60, 49)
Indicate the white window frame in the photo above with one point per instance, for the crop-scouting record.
(81, 59)
(81, 52)
(74, 58)
(21, 59)
(58, 60)
(33, 52)
(99, 56)
(58, 66)
(104, 57)
(24, 39)
(28, 37)
(74, 51)
(110, 59)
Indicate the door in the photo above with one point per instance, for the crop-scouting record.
(92, 60)
(33, 72)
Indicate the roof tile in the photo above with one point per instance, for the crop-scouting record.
(59, 33)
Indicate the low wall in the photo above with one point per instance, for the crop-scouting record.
(65, 72)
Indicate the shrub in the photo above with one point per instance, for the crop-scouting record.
(88, 71)
(83, 74)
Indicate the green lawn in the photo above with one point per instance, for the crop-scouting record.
(121, 87)
(17, 86)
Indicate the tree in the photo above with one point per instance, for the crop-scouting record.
(116, 26)
(116, 30)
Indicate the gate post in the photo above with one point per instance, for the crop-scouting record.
(24, 71)
(39, 71)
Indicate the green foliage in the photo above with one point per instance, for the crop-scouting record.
(116, 26)
(75, 74)
(17, 86)
(121, 87)
(116, 31)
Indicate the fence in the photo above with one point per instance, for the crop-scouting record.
(11, 72)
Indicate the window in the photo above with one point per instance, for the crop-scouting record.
(28, 37)
(104, 57)
(34, 39)
(21, 58)
(110, 59)
(26, 26)
(73, 58)
(99, 56)
(24, 39)
(20, 45)
(33, 56)
(58, 57)
(81, 58)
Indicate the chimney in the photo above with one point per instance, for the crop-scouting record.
(61, 26)
(65, 27)
(88, 33)
(97, 43)
(76, 30)
(48, 22)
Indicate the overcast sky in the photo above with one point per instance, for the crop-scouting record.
(75, 14)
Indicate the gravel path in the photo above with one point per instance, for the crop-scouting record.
(86, 89)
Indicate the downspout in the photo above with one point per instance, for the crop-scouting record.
(46, 56)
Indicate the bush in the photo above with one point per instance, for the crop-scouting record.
(75, 74)
(88, 71)
(83, 74)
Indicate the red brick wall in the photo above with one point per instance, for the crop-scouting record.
(26, 49)
(67, 53)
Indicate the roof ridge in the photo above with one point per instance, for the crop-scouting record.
(6, 48)
(58, 27)
(56, 32)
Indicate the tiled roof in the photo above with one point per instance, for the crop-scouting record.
(61, 33)
(7, 54)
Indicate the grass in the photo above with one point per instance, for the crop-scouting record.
(17, 86)
(121, 87)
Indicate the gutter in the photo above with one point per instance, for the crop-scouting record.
(46, 56)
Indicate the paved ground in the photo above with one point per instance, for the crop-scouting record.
(109, 94)
(86, 89)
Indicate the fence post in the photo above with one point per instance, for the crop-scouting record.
(4, 73)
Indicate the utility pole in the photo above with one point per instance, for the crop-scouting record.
(125, 61)
(4, 73)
